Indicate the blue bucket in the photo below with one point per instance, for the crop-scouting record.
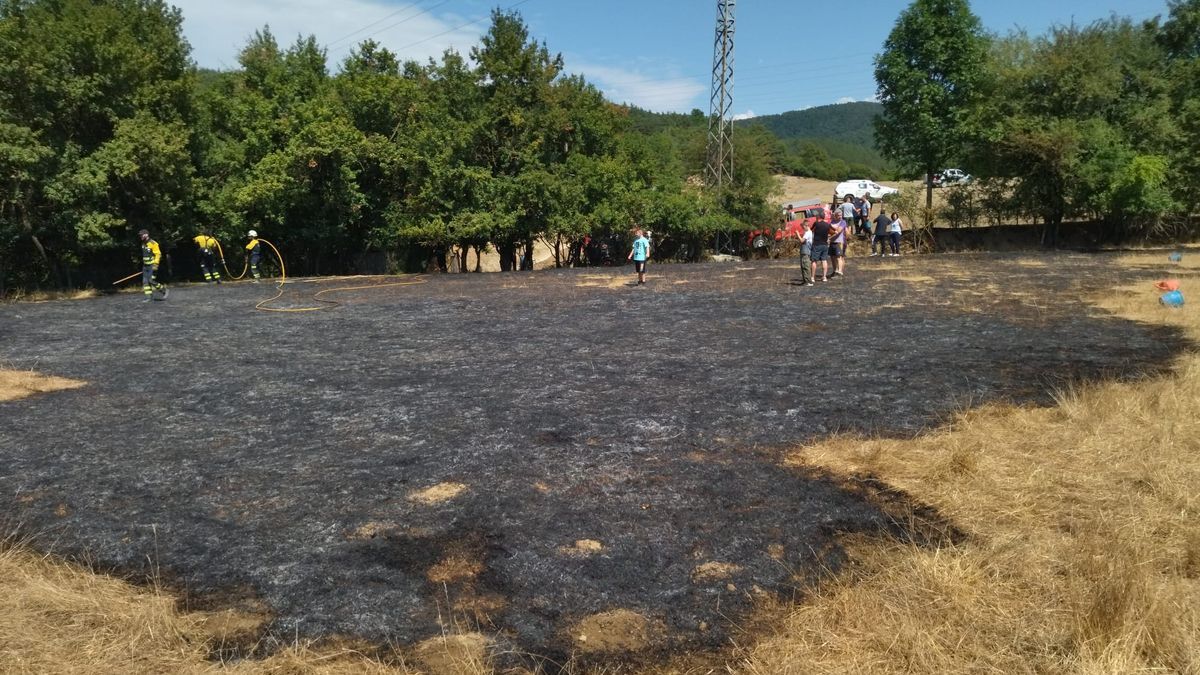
(1175, 257)
(1172, 299)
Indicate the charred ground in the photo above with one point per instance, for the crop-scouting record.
(518, 452)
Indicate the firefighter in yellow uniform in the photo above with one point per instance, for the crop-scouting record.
(208, 258)
(254, 249)
(151, 257)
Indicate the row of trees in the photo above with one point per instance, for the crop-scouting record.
(1097, 122)
(106, 127)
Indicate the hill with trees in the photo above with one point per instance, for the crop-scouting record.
(849, 123)
(832, 142)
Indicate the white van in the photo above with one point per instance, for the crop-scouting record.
(858, 188)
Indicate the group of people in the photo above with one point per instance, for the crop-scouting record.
(210, 252)
(825, 242)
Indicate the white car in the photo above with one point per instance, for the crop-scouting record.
(858, 188)
(951, 177)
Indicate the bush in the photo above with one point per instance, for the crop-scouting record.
(962, 206)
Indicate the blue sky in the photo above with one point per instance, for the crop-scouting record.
(653, 53)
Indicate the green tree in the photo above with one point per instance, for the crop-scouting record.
(929, 76)
(515, 75)
(1079, 122)
(1179, 38)
(95, 129)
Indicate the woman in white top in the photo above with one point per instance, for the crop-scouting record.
(894, 231)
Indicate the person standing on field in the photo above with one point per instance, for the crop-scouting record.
(806, 266)
(865, 207)
(208, 257)
(254, 250)
(838, 232)
(894, 231)
(882, 223)
(848, 210)
(639, 254)
(151, 257)
(820, 247)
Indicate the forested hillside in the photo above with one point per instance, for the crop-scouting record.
(850, 123)
(833, 142)
(836, 151)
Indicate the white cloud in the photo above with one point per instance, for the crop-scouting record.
(748, 115)
(626, 86)
(846, 99)
(218, 29)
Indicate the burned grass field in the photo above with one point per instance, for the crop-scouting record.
(542, 457)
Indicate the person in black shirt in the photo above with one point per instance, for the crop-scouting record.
(882, 222)
(820, 248)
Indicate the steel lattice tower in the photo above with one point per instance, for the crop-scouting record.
(719, 170)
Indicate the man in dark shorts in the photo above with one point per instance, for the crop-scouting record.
(838, 234)
(820, 248)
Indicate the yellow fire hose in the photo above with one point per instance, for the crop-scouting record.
(325, 304)
(228, 274)
(261, 306)
(135, 274)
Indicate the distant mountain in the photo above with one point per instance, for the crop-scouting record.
(850, 123)
(832, 142)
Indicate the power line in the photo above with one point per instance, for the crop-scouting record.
(451, 30)
(370, 25)
(391, 26)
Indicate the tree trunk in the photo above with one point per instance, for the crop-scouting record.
(478, 259)
(508, 256)
(28, 227)
(929, 189)
(528, 266)
(1050, 232)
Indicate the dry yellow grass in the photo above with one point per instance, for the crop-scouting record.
(1082, 556)
(436, 494)
(611, 281)
(1083, 553)
(60, 618)
(50, 296)
(908, 278)
(15, 384)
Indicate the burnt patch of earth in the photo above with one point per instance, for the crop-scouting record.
(537, 456)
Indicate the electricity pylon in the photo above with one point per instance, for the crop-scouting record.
(719, 170)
